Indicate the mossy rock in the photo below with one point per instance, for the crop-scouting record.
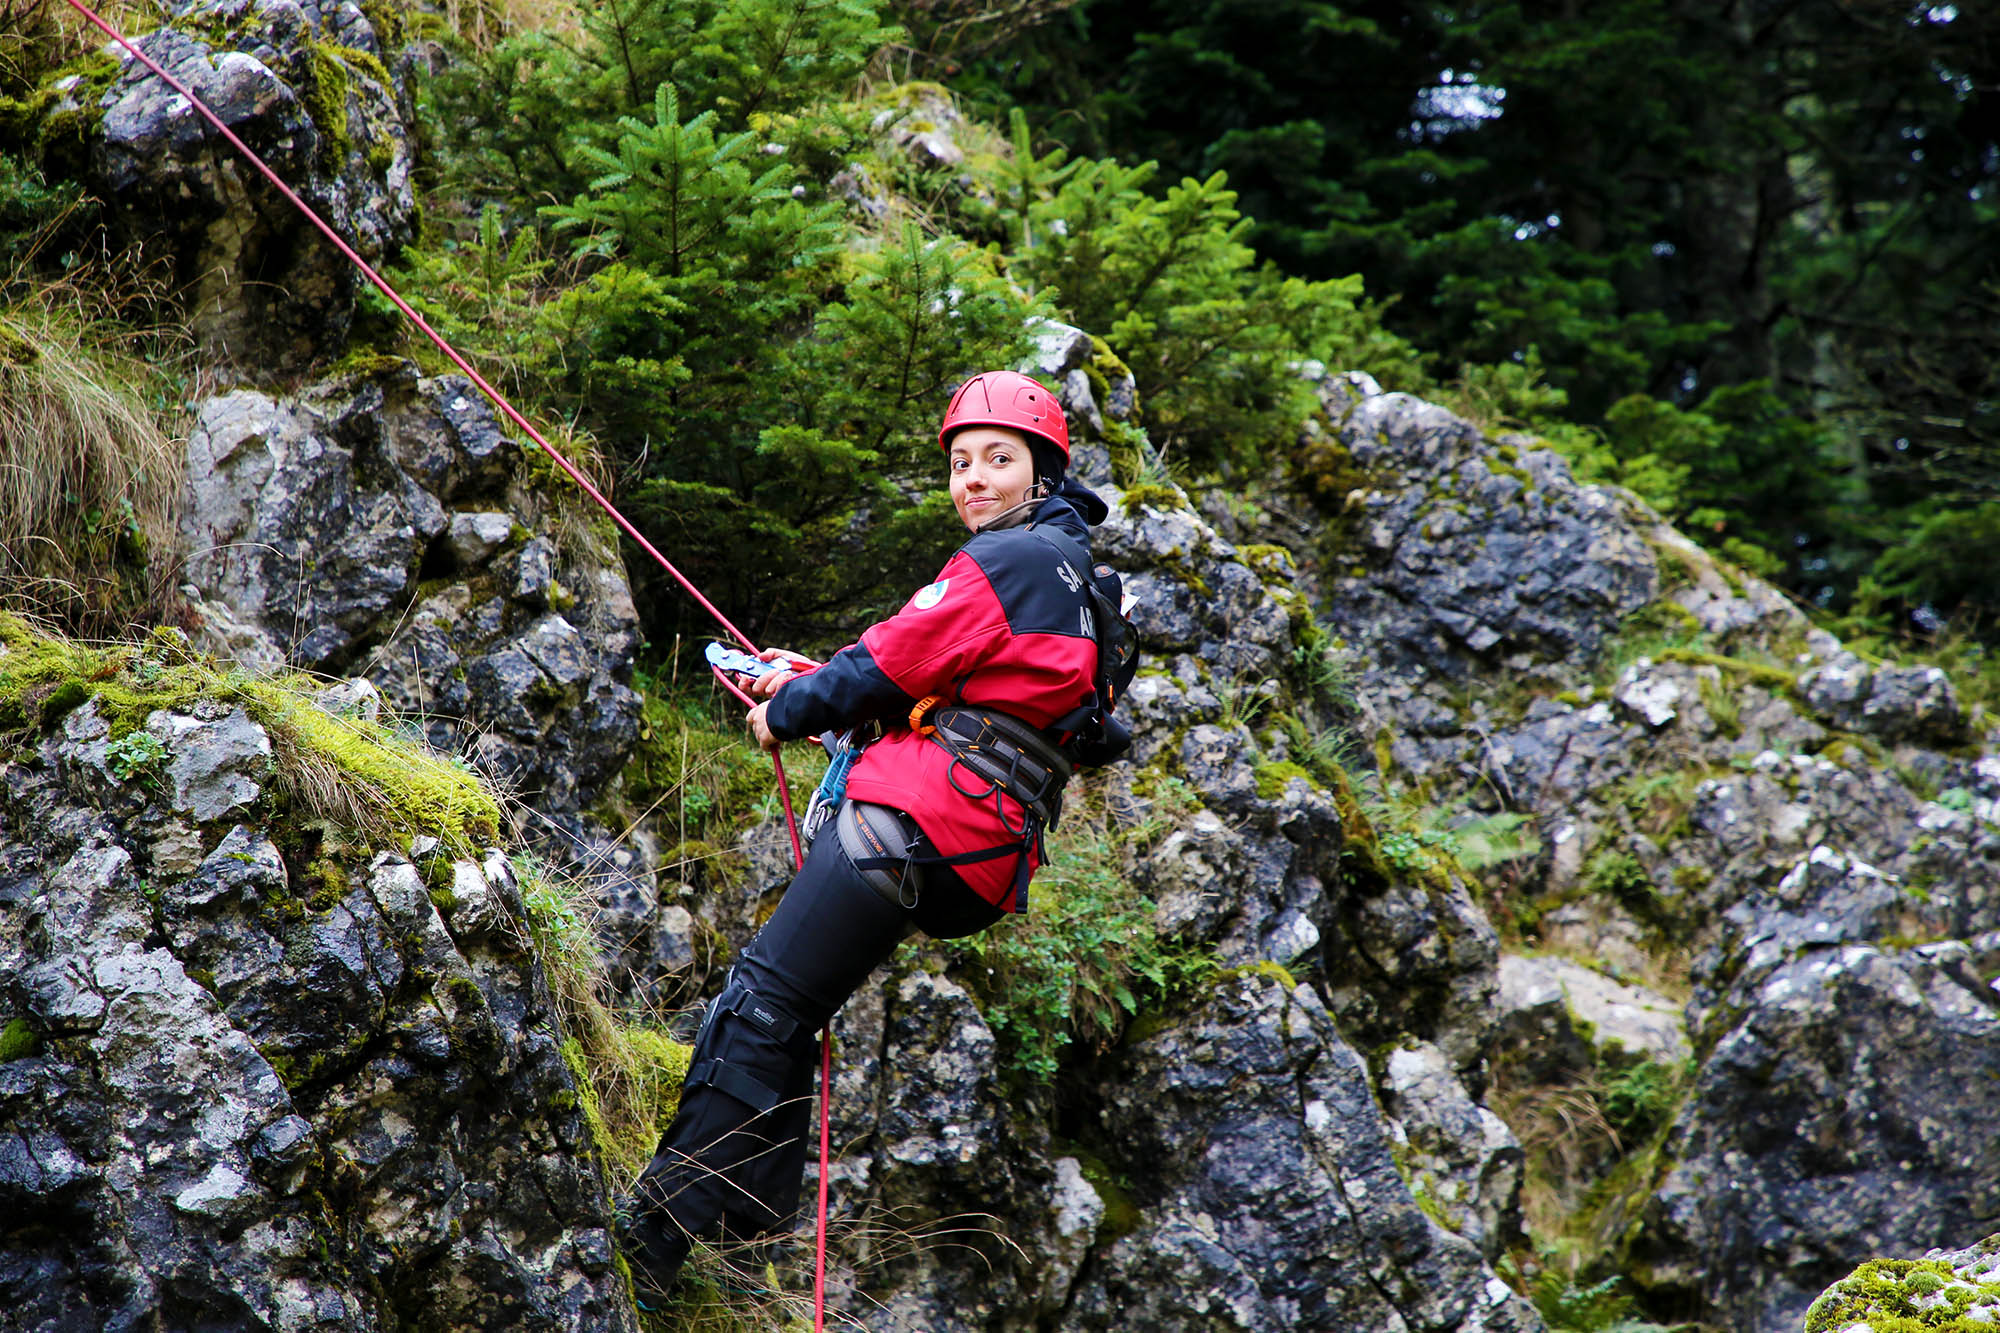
(1144, 494)
(403, 788)
(19, 1041)
(1908, 1296)
(1273, 778)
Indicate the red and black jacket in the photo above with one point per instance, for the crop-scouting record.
(1004, 625)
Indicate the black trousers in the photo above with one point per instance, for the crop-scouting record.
(733, 1161)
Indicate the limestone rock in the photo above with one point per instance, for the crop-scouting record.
(1522, 559)
(1566, 1014)
(309, 90)
(1460, 1156)
(240, 1090)
(1267, 1188)
(324, 522)
(1844, 1114)
(1712, 792)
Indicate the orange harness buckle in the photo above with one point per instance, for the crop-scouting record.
(924, 705)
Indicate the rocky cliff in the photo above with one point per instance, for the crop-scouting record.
(263, 1067)
(1498, 882)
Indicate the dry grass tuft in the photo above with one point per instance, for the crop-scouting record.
(37, 36)
(90, 475)
(483, 24)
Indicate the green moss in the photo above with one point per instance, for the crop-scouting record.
(1271, 778)
(1883, 1295)
(1143, 494)
(362, 769)
(19, 1041)
(16, 350)
(627, 1084)
(391, 32)
(1266, 969)
(1121, 1215)
(1385, 752)
(1502, 467)
(62, 135)
(324, 883)
(1691, 879)
(1773, 678)
(1178, 566)
(366, 364)
(1270, 562)
(1326, 470)
(325, 98)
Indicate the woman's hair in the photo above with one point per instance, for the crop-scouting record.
(1050, 467)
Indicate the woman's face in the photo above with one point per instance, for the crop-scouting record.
(991, 471)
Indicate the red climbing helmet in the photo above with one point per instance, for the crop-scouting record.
(1006, 398)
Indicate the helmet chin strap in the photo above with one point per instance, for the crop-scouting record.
(1023, 509)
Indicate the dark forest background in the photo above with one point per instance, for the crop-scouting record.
(1753, 248)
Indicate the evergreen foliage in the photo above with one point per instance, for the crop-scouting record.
(766, 370)
(1777, 222)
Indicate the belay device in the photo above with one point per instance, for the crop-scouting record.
(841, 746)
(724, 658)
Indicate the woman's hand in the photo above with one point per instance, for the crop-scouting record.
(766, 685)
(760, 728)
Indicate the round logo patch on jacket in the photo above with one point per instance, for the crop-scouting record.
(930, 595)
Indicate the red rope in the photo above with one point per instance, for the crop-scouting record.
(383, 286)
(625, 525)
(827, 1053)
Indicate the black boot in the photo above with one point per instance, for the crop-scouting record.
(655, 1248)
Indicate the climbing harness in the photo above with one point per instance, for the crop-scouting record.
(994, 755)
(508, 410)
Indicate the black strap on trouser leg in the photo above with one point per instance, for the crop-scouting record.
(732, 1154)
(739, 1001)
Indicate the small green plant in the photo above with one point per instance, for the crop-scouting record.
(1244, 701)
(1724, 709)
(1417, 849)
(1490, 840)
(1076, 967)
(137, 754)
(1568, 1305)
(1618, 875)
(1956, 798)
(1642, 1098)
(1324, 667)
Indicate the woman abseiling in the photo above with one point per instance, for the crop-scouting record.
(935, 834)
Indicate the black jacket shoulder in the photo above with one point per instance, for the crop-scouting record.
(1039, 591)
